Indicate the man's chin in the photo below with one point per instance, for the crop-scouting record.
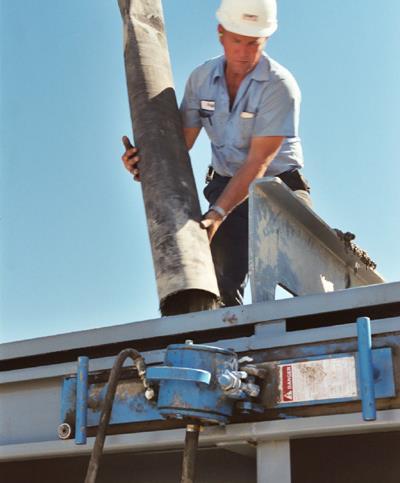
(242, 68)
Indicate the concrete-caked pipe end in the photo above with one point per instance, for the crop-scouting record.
(190, 300)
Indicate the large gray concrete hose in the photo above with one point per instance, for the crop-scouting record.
(185, 273)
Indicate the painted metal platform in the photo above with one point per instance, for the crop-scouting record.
(32, 374)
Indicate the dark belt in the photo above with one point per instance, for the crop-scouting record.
(293, 179)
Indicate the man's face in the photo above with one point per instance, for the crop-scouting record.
(242, 53)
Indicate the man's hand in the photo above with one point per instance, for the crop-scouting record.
(211, 222)
(131, 158)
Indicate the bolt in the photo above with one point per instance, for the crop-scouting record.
(149, 393)
(225, 381)
(252, 390)
(64, 431)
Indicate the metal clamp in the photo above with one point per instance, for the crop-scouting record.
(160, 373)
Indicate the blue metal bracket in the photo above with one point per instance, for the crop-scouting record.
(81, 400)
(366, 369)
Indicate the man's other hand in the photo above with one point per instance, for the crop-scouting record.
(130, 158)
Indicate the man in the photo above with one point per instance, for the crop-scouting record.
(249, 106)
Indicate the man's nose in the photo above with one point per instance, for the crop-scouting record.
(243, 52)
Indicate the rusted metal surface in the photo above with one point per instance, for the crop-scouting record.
(230, 318)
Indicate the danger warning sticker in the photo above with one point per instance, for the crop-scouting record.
(315, 380)
(287, 384)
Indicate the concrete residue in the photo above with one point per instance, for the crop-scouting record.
(347, 239)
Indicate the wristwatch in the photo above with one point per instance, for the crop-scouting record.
(222, 213)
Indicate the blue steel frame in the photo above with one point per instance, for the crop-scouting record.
(81, 400)
(131, 406)
(366, 369)
(374, 370)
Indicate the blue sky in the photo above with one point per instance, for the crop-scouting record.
(74, 245)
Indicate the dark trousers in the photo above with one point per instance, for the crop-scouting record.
(230, 245)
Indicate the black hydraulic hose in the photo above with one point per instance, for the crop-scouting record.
(107, 407)
(189, 453)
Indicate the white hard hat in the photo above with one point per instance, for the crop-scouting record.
(253, 18)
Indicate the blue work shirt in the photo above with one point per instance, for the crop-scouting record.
(266, 104)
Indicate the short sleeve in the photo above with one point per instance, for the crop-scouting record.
(190, 105)
(279, 110)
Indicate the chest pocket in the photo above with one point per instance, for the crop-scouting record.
(214, 123)
(245, 128)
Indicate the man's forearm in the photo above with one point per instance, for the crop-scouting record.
(190, 135)
(262, 151)
(237, 190)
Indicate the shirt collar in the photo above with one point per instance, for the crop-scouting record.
(262, 69)
(219, 68)
(259, 73)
